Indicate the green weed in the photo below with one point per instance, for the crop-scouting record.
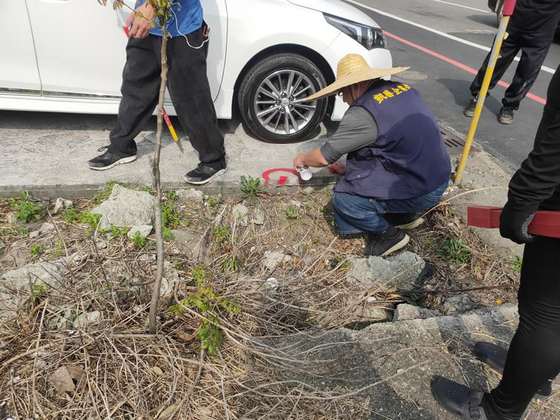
(251, 187)
(90, 219)
(39, 290)
(208, 304)
(138, 240)
(170, 215)
(213, 202)
(230, 264)
(167, 234)
(455, 250)
(199, 276)
(516, 264)
(37, 250)
(71, 215)
(26, 209)
(118, 232)
(292, 213)
(222, 234)
(104, 194)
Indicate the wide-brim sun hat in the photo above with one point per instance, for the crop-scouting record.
(352, 69)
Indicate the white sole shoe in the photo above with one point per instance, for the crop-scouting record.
(412, 225)
(122, 161)
(206, 181)
(398, 246)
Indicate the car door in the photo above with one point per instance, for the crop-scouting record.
(18, 68)
(81, 47)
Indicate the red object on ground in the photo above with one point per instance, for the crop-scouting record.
(509, 7)
(545, 223)
(283, 179)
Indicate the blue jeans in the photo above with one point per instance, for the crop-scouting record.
(354, 214)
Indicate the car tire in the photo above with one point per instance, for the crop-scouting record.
(266, 90)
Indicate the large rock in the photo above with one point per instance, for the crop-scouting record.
(402, 272)
(391, 365)
(16, 285)
(87, 319)
(190, 196)
(406, 312)
(125, 208)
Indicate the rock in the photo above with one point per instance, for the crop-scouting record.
(35, 234)
(187, 241)
(258, 218)
(126, 207)
(143, 230)
(272, 259)
(368, 313)
(45, 272)
(406, 312)
(61, 322)
(2, 247)
(45, 229)
(170, 280)
(190, 196)
(458, 304)
(62, 204)
(308, 190)
(11, 218)
(240, 214)
(401, 272)
(296, 204)
(271, 285)
(62, 381)
(85, 320)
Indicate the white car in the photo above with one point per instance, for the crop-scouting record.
(265, 55)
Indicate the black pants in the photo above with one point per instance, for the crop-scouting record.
(188, 86)
(534, 354)
(533, 54)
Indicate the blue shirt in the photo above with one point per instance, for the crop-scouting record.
(186, 17)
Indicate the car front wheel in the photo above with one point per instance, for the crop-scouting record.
(271, 98)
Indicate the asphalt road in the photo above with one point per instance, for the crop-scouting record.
(455, 31)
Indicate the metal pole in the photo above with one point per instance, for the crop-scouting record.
(509, 7)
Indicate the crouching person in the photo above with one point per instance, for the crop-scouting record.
(397, 166)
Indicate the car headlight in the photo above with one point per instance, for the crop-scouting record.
(367, 36)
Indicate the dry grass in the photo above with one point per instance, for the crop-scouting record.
(120, 372)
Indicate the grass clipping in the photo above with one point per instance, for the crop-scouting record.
(74, 345)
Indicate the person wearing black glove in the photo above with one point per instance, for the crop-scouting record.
(533, 358)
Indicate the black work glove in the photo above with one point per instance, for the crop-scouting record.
(514, 224)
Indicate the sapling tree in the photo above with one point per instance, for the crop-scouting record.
(162, 10)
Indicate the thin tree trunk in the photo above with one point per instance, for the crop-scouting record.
(157, 186)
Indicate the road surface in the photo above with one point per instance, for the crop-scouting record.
(444, 41)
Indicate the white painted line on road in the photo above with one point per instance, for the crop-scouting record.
(487, 12)
(435, 31)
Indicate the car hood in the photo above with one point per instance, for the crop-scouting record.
(337, 8)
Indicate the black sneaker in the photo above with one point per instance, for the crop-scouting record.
(110, 159)
(469, 109)
(204, 173)
(384, 244)
(458, 399)
(506, 115)
(405, 221)
(495, 357)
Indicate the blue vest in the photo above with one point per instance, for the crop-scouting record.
(186, 17)
(408, 159)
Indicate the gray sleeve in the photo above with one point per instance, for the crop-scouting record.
(357, 129)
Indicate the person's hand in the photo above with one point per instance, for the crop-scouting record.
(140, 23)
(299, 161)
(514, 224)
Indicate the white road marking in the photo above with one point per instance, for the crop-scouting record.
(487, 12)
(435, 31)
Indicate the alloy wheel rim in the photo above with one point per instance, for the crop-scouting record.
(279, 104)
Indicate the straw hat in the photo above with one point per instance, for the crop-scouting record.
(353, 69)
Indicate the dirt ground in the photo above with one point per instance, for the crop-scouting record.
(205, 358)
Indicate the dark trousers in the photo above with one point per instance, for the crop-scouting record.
(534, 354)
(533, 54)
(188, 86)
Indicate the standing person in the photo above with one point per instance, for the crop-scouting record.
(533, 358)
(397, 165)
(188, 86)
(531, 30)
